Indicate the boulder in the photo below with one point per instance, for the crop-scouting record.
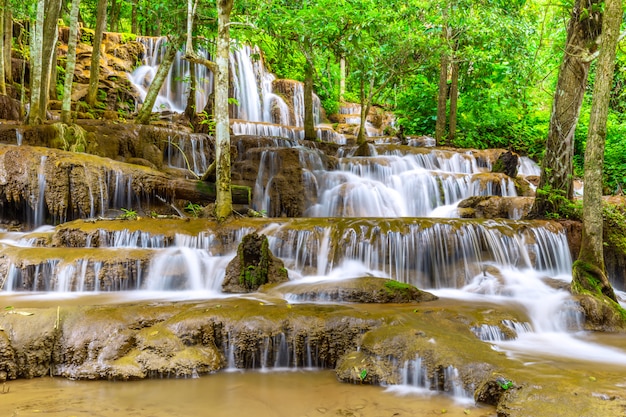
(253, 266)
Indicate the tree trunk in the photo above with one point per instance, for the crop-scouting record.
(71, 64)
(223, 202)
(133, 18)
(36, 65)
(202, 192)
(591, 256)
(8, 37)
(366, 102)
(309, 122)
(53, 94)
(94, 73)
(342, 78)
(442, 98)
(113, 15)
(190, 107)
(454, 97)
(49, 40)
(3, 87)
(144, 115)
(555, 184)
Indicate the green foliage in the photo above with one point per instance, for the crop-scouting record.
(614, 170)
(254, 272)
(416, 105)
(363, 374)
(394, 285)
(504, 383)
(194, 209)
(614, 227)
(128, 37)
(128, 214)
(562, 207)
(87, 35)
(208, 120)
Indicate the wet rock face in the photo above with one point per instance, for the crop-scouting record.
(10, 109)
(8, 368)
(282, 178)
(145, 341)
(507, 164)
(495, 207)
(360, 290)
(253, 266)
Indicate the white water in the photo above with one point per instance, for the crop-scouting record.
(253, 87)
(175, 90)
(404, 185)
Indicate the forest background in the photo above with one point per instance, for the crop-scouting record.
(490, 65)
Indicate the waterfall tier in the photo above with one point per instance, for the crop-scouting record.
(422, 252)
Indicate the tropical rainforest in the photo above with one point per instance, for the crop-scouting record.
(495, 63)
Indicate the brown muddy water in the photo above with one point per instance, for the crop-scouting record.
(250, 393)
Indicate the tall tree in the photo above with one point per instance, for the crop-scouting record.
(223, 202)
(589, 273)
(223, 199)
(8, 37)
(94, 72)
(309, 121)
(3, 88)
(442, 91)
(36, 65)
(454, 98)
(555, 183)
(48, 52)
(384, 46)
(70, 63)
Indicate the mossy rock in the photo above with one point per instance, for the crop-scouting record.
(254, 265)
(358, 290)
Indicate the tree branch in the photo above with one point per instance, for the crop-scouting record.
(196, 59)
(593, 56)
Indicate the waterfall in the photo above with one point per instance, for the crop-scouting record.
(253, 89)
(428, 254)
(191, 151)
(175, 90)
(40, 203)
(275, 352)
(415, 375)
(409, 185)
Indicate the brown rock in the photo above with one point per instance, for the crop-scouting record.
(254, 265)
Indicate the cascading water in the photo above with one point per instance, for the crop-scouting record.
(387, 185)
(415, 375)
(174, 93)
(260, 110)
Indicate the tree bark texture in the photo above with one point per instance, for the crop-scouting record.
(8, 36)
(144, 115)
(94, 73)
(309, 122)
(442, 99)
(70, 64)
(454, 99)
(3, 87)
(342, 78)
(36, 65)
(591, 250)
(557, 166)
(134, 28)
(48, 52)
(366, 103)
(223, 202)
